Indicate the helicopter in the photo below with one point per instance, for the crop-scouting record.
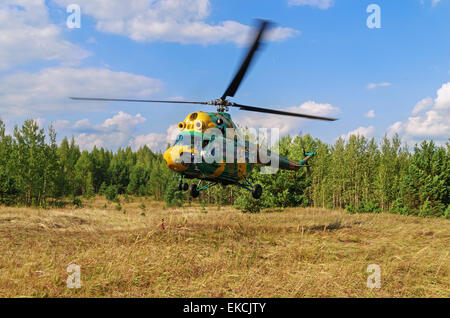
(208, 146)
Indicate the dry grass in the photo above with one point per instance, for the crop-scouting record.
(221, 253)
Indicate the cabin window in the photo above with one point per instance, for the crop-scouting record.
(195, 142)
(208, 140)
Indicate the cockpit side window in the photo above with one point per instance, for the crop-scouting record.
(178, 140)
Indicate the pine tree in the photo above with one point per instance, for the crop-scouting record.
(8, 184)
(83, 174)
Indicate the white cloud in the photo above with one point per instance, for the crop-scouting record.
(313, 108)
(172, 133)
(287, 125)
(113, 133)
(422, 105)
(116, 132)
(122, 122)
(430, 119)
(395, 128)
(40, 122)
(370, 114)
(435, 2)
(182, 21)
(375, 85)
(361, 131)
(30, 94)
(153, 140)
(60, 124)
(91, 40)
(82, 125)
(321, 4)
(156, 142)
(443, 98)
(27, 35)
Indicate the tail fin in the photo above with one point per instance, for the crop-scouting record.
(307, 155)
(304, 162)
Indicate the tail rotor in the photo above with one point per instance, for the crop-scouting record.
(306, 156)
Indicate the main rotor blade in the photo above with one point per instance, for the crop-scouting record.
(234, 85)
(280, 112)
(138, 100)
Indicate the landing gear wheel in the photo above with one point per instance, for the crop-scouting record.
(185, 186)
(257, 191)
(194, 192)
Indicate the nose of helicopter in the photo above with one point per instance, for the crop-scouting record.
(173, 158)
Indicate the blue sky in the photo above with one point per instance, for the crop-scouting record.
(321, 59)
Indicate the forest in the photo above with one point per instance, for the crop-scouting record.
(359, 175)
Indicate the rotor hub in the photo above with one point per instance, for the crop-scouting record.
(222, 104)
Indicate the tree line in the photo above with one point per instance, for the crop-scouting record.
(358, 174)
(35, 171)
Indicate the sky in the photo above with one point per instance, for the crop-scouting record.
(321, 58)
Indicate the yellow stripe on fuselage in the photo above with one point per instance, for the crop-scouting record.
(242, 170)
(219, 170)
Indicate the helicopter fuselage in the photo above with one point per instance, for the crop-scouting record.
(195, 154)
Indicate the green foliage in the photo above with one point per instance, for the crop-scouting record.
(139, 177)
(83, 174)
(102, 190)
(350, 208)
(447, 212)
(399, 207)
(112, 192)
(363, 207)
(77, 203)
(8, 189)
(432, 209)
(246, 203)
(370, 207)
(360, 176)
(89, 193)
(426, 183)
(173, 196)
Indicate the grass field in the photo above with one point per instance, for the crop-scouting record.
(219, 252)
